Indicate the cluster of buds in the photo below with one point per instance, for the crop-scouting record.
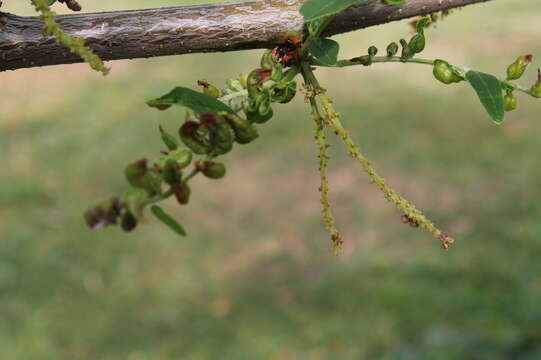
(416, 45)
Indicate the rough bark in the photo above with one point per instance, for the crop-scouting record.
(189, 29)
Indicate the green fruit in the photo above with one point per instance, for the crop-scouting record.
(516, 69)
(372, 51)
(509, 102)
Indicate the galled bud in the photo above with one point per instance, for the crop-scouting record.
(267, 60)
(128, 222)
(182, 157)
(445, 73)
(171, 173)
(255, 79)
(169, 140)
(284, 94)
(407, 52)
(211, 169)
(135, 200)
(220, 132)
(392, 49)
(136, 172)
(516, 69)
(244, 131)
(139, 176)
(209, 89)
(535, 91)
(417, 43)
(103, 214)
(509, 102)
(193, 138)
(182, 192)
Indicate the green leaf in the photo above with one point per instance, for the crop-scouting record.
(324, 50)
(50, 2)
(489, 90)
(315, 9)
(394, 2)
(196, 101)
(167, 220)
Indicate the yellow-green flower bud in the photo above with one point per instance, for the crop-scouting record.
(516, 69)
(509, 102)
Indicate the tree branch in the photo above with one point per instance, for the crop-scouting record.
(190, 29)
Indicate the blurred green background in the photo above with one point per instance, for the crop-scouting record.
(255, 278)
